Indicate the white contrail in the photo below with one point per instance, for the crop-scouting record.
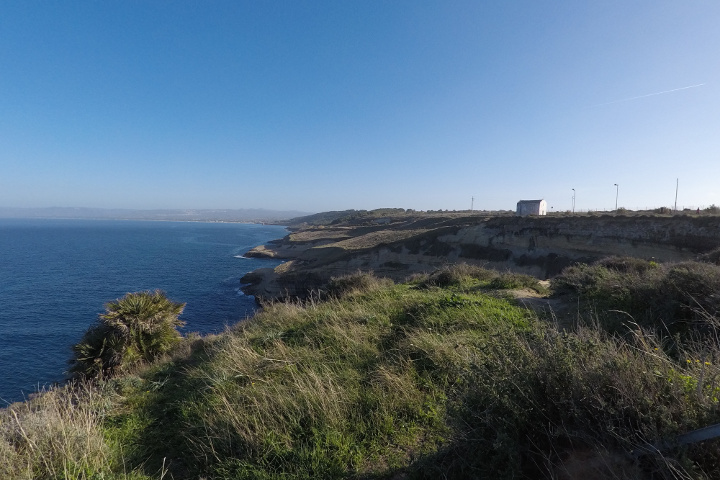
(650, 95)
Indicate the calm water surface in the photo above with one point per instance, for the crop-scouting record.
(56, 275)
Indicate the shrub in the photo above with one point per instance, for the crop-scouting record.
(454, 275)
(711, 257)
(359, 282)
(626, 264)
(535, 404)
(679, 297)
(510, 281)
(138, 327)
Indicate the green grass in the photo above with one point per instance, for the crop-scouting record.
(466, 276)
(432, 378)
(680, 298)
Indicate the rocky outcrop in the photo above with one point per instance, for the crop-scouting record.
(540, 246)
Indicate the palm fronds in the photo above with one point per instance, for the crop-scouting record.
(137, 327)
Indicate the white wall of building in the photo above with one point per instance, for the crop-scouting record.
(531, 207)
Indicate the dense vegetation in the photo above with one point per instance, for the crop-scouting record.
(441, 377)
(679, 298)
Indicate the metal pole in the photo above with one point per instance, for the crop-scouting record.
(699, 435)
(617, 190)
(573, 200)
(677, 183)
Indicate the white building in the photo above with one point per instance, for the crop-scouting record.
(531, 207)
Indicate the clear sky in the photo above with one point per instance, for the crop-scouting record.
(329, 105)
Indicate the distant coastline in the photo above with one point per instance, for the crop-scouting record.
(244, 215)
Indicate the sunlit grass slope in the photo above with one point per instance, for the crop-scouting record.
(442, 377)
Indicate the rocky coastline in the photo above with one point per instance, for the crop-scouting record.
(397, 245)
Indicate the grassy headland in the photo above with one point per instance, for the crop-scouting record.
(442, 376)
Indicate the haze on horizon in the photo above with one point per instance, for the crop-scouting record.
(326, 105)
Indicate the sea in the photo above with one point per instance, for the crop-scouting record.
(57, 275)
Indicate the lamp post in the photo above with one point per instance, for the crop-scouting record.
(617, 189)
(573, 200)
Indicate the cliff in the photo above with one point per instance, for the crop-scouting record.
(399, 245)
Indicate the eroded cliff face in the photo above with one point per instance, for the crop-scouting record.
(544, 246)
(539, 246)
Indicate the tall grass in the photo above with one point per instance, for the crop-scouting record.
(432, 379)
(464, 275)
(682, 298)
(353, 283)
(309, 392)
(57, 435)
(434, 383)
(537, 403)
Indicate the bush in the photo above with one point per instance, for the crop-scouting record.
(360, 282)
(680, 297)
(626, 264)
(138, 327)
(535, 404)
(454, 275)
(511, 281)
(711, 257)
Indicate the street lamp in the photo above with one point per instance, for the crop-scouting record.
(573, 200)
(617, 189)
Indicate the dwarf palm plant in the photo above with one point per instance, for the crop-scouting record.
(137, 327)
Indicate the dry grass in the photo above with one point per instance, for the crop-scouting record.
(374, 239)
(56, 435)
(356, 283)
(318, 234)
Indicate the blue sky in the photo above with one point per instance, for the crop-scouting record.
(329, 105)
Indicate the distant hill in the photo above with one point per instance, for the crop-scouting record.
(338, 216)
(203, 215)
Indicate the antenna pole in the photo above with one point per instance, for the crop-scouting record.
(617, 189)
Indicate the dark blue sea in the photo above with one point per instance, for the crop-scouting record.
(57, 275)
